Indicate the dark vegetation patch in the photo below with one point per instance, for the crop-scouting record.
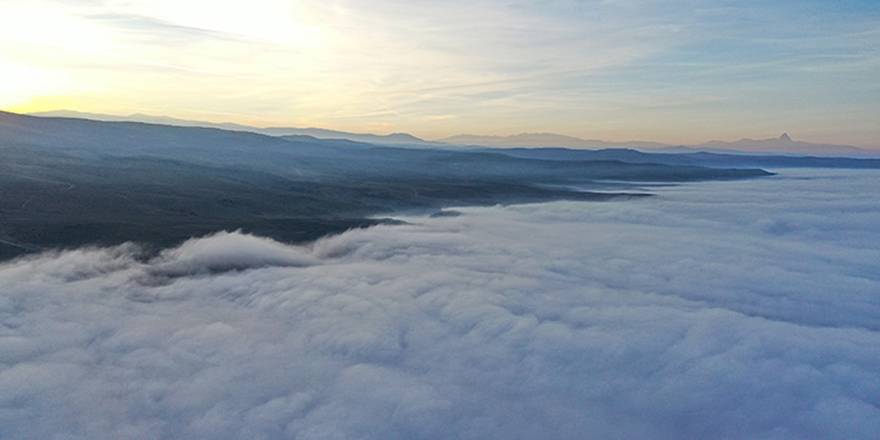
(69, 182)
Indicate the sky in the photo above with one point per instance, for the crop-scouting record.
(677, 72)
(735, 309)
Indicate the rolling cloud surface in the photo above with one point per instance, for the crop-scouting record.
(714, 310)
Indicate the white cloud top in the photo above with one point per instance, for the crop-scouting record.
(732, 309)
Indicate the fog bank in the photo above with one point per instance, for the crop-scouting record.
(729, 309)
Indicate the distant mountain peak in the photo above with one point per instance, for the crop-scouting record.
(785, 137)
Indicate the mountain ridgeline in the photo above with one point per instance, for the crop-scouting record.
(694, 158)
(782, 145)
(320, 133)
(68, 182)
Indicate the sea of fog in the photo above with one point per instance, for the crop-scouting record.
(739, 309)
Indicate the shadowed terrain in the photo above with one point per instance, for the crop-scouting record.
(68, 182)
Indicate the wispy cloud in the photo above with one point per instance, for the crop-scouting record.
(498, 65)
(160, 30)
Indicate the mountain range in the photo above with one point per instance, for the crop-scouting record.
(319, 133)
(69, 182)
(783, 144)
(544, 140)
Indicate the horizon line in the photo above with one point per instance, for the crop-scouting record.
(132, 117)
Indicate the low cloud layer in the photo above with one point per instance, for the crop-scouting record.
(731, 309)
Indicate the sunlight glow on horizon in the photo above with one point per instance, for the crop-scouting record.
(593, 69)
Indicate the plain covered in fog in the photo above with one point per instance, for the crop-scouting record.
(743, 309)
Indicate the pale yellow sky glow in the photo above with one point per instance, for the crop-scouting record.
(596, 69)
